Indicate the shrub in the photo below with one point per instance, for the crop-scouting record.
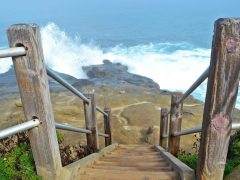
(233, 157)
(188, 159)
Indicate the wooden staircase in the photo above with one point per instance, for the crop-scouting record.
(130, 162)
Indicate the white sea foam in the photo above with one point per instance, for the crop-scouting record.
(173, 66)
(5, 64)
(174, 70)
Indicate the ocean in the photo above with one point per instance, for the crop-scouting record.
(167, 41)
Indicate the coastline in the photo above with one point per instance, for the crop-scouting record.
(135, 106)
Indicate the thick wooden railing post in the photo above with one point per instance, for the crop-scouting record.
(220, 99)
(175, 124)
(163, 128)
(107, 127)
(90, 120)
(34, 90)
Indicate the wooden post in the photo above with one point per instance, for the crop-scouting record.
(107, 127)
(220, 99)
(90, 120)
(163, 128)
(34, 91)
(175, 124)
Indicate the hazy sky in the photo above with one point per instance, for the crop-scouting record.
(160, 20)
(32, 10)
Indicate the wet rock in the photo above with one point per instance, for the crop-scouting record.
(117, 75)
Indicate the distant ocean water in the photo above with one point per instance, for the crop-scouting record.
(174, 66)
(166, 41)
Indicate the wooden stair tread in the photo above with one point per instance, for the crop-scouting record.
(158, 168)
(116, 171)
(130, 174)
(135, 153)
(126, 177)
(130, 162)
(114, 159)
(132, 156)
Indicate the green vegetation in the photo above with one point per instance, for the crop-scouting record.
(18, 164)
(59, 136)
(233, 157)
(189, 159)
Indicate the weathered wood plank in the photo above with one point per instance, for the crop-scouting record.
(163, 128)
(185, 172)
(34, 90)
(74, 170)
(220, 99)
(175, 124)
(90, 120)
(107, 127)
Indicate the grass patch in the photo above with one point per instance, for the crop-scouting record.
(18, 164)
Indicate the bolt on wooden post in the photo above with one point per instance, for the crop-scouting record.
(175, 124)
(34, 91)
(163, 128)
(220, 99)
(107, 127)
(90, 120)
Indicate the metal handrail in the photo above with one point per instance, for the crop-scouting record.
(198, 128)
(64, 83)
(60, 80)
(101, 111)
(72, 128)
(12, 52)
(20, 51)
(194, 85)
(19, 128)
(235, 126)
(103, 134)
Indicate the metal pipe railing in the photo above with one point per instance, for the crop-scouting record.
(102, 134)
(235, 126)
(71, 128)
(101, 111)
(19, 128)
(194, 85)
(199, 129)
(12, 52)
(56, 77)
(189, 131)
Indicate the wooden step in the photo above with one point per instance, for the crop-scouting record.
(132, 164)
(163, 168)
(134, 153)
(128, 172)
(146, 159)
(126, 177)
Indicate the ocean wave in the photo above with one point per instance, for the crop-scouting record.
(171, 65)
(174, 66)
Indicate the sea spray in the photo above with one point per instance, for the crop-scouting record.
(5, 64)
(174, 66)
